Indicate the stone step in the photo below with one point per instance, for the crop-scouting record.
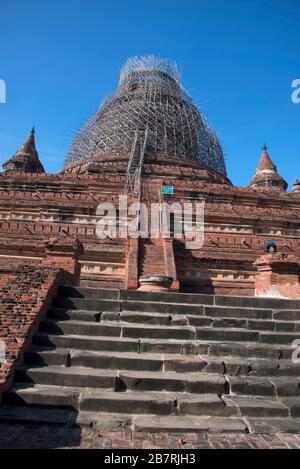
(105, 421)
(87, 304)
(162, 403)
(189, 424)
(10, 414)
(130, 317)
(167, 308)
(254, 302)
(139, 331)
(43, 396)
(272, 426)
(164, 319)
(103, 360)
(121, 380)
(199, 299)
(90, 293)
(66, 376)
(181, 298)
(203, 310)
(258, 407)
(76, 314)
(157, 403)
(237, 312)
(119, 330)
(88, 342)
(129, 360)
(149, 423)
(219, 310)
(127, 402)
(157, 362)
(286, 386)
(181, 347)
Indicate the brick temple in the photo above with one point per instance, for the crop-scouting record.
(215, 324)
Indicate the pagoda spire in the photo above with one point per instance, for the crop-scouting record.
(26, 158)
(266, 175)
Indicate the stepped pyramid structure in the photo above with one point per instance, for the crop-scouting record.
(148, 333)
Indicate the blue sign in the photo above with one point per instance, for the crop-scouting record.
(167, 190)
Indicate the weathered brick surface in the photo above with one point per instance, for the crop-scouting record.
(278, 275)
(24, 299)
(52, 436)
(238, 221)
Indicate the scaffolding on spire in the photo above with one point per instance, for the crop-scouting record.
(149, 95)
(135, 164)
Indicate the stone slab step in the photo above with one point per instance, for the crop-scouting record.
(183, 298)
(87, 304)
(65, 314)
(151, 423)
(127, 402)
(43, 396)
(217, 311)
(190, 424)
(258, 407)
(65, 376)
(181, 347)
(146, 423)
(117, 361)
(138, 331)
(237, 312)
(254, 302)
(169, 319)
(293, 405)
(37, 416)
(179, 382)
(158, 362)
(264, 386)
(251, 385)
(278, 337)
(96, 343)
(105, 421)
(286, 386)
(118, 330)
(91, 293)
(163, 302)
(121, 380)
(118, 402)
(92, 359)
(166, 308)
(274, 425)
(200, 299)
(158, 403)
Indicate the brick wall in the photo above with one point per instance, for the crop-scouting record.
(278, 275)
(24, 298)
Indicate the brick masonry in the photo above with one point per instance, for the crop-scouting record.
(51, 436)
(277, 275)
(238, 221)
(24, 299)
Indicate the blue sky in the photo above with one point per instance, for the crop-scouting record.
(238, 58)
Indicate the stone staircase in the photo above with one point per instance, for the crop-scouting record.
(161, 362)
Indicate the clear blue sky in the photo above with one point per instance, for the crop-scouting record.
(60, 58)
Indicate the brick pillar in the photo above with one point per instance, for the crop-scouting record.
(277, 275)
(170, 263)
(63, 253)
(131, 264)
